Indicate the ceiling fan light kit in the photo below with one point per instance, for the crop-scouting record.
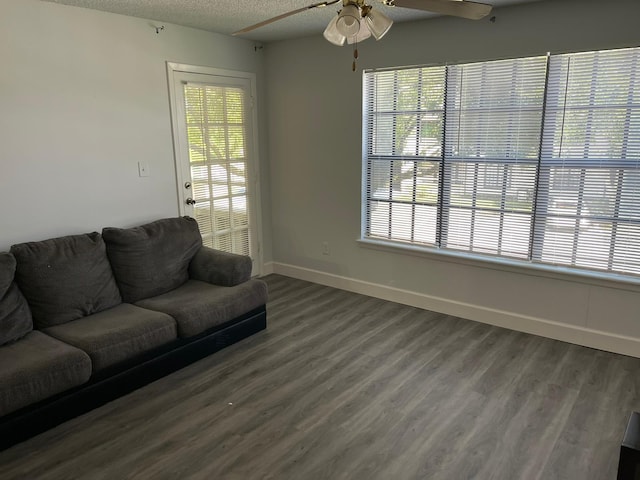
(362, 35)
(355, 23)
(332, 34)
(348, 23)
(378, 23)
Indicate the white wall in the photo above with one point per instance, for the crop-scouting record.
(314, 116)
(83, 98)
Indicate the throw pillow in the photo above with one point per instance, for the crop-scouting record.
(152, 259)
(65, 278)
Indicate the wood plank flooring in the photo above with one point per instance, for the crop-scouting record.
(343, 386)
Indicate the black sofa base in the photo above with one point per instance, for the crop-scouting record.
(629, 462)
(122, 379)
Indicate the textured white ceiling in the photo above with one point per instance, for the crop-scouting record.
(227, 16)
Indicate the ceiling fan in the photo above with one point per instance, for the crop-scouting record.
(357, 21)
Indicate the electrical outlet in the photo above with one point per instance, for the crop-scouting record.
(325, 248)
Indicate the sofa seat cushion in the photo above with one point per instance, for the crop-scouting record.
(37, 367)
(154, 258)
(15, 316)
(198, 306)
(65, 278)
(118, 334)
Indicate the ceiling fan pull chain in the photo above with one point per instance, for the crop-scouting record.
(355, 56)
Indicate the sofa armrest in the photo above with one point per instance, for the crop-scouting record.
(220, 268)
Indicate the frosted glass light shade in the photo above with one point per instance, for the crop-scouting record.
(348, 23)
(378, 23)
(362, 35)
(332, 34)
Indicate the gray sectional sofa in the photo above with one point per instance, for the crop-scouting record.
(87, 318)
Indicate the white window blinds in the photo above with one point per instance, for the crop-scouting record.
(534, 159)
(216, 134)
(494, 114)
(404, 153)
(589, 197)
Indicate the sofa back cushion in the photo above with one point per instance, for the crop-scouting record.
(152, 259)
(65, 278)
(15, 316)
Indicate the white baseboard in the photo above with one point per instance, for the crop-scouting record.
(567, 333)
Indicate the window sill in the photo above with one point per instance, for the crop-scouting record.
(600, 279)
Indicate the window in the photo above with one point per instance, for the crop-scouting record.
(494, 112)
(536, 159)
(405, 150)
(216, 136)
(589, 194)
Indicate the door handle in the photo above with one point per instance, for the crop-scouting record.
(190, 201)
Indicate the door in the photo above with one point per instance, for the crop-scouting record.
(215, 164)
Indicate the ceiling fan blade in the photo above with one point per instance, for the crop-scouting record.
(456, 8)
(284, 15)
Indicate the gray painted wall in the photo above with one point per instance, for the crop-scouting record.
(314, 116)
(83, 98)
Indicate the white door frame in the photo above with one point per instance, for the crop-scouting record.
(253, 164)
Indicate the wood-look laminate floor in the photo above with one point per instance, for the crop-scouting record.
(343, 386)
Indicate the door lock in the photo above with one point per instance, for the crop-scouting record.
(187, 185)
(190, 201)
